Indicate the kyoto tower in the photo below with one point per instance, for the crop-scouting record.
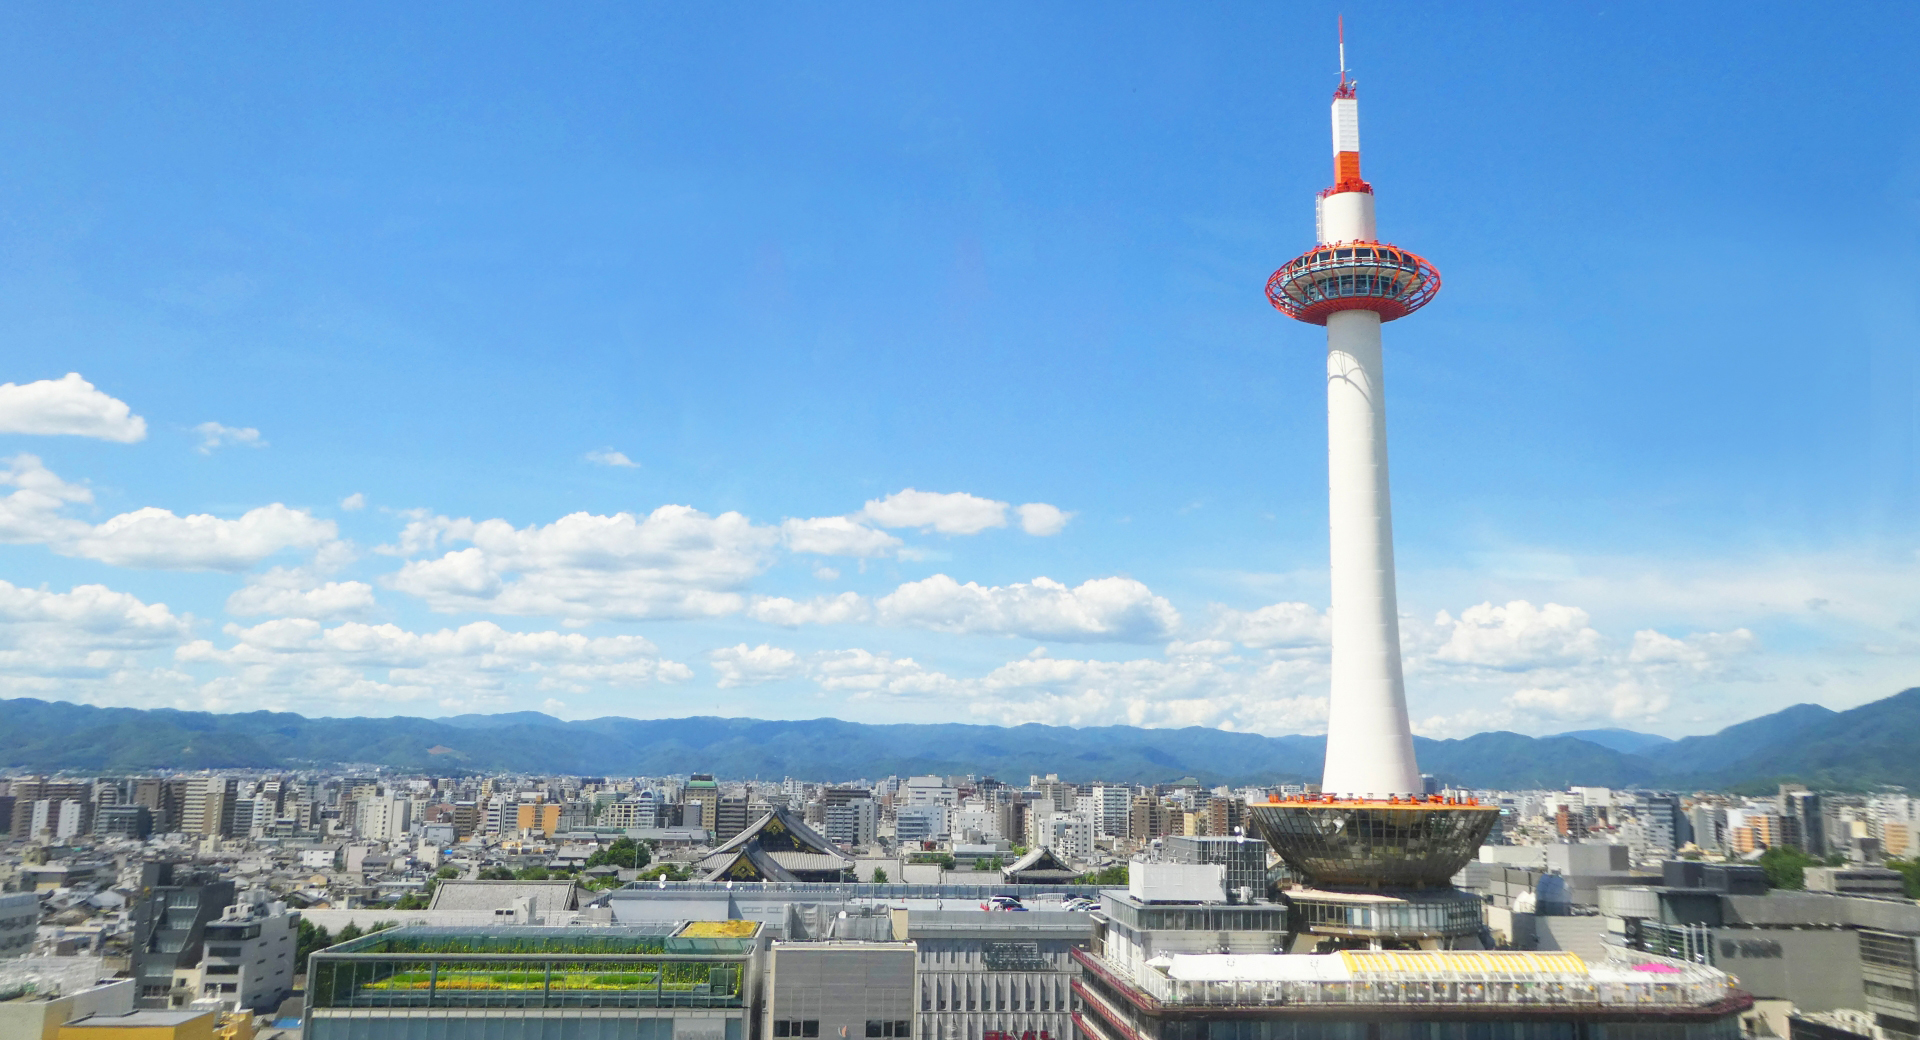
(1353, 283)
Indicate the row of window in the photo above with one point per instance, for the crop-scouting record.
(896, 1028)
(796, 1027)
(947, 993)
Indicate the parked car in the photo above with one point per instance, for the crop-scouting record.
(1002, 903)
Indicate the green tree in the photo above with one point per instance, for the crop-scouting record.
(310, 937)
(1112, 877)
(348, 933)
(624, 852)
(534, 873)
(666, 872)
(879, 875)
(1910, 870)
(447, 873)
(1786, 867)
(496, 874)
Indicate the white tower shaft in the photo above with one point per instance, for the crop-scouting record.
(1369, 742)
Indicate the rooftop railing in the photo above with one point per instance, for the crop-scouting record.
(1624, 981)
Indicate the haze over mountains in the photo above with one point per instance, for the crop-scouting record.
(1863, 747)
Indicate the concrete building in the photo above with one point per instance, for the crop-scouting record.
(839, 988)
(19, 916)
(930, 790)
(1245, 859)
(1821, 951)
(1877, 882)
(208, 807)
(700, 802)
(247, 958)
(40, 995)
(917, 823)
(169, 931)
(381, 818)
(851, 821)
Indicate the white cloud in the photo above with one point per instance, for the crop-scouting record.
(32, 512)
(750, 666)
(1118, 609)
(674, 562)
(1039, 518)
(296, 592)
(150, 537)
(1541, 668)
(837, 536)
(953, 513)
(609, 457)
(1205, 688)
(355, 502)
(157, 538)
(479, 663)
(1291, 625)
(821, 610)
(214, 435)
(52, 640)
(67, 406)
(1519, 636)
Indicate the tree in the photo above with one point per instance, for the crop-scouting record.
(879, 875)
(666, 872)
(1910, 870)
(535, 873)
(1786, 867)
(310, 937)
(496, 874)
(1113, 876)
(348, 933)
(447, 873)
(624, 852)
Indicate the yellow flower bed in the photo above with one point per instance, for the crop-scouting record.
(719, 930)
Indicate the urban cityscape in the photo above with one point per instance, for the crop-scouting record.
(1314, 819)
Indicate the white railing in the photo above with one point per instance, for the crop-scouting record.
(1616, 983)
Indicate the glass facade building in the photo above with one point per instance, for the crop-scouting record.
(423, 983)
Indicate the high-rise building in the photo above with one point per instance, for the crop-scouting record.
(208, 806)
(1804, 808)
(700, 802)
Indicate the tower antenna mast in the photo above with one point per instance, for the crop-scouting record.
(1343, 49)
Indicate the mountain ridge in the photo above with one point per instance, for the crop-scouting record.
(1869, 745)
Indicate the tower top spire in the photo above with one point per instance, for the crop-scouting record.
(1345, 89)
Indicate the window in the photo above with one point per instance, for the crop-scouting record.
(876, 1027)
(796, 1027)
(223, 969)
(810, 1027)
(223, 951)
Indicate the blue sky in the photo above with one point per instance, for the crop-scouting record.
(426, 271)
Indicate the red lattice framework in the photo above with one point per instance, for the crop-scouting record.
(1353, 276)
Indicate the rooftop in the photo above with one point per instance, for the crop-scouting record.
(1425, 977)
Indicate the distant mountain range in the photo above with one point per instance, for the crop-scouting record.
(1874, 744)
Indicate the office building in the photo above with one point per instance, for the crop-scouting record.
(839, 988)
(247, 957)
(700, 803)
(19, 917)
(169, 931)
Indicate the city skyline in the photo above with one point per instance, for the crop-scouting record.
(909, 369)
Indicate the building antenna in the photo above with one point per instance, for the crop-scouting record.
(1343, 48)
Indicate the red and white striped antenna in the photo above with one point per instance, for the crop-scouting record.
(1343, 49)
